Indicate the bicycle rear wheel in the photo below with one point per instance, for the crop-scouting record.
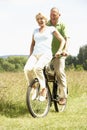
(57, 106)
(61, 108)
(36, 107)
(55, 96)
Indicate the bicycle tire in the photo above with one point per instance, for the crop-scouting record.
(36, 107)
(54, 96)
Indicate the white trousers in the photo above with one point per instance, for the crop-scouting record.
(34, 68)
(59, 68)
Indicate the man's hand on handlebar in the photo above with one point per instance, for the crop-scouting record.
(65, 53)
(61, 53)
(58, 53)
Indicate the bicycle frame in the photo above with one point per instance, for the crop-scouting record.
(51, 78)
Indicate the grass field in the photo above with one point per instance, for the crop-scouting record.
(14, 114)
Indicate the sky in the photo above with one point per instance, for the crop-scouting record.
(17, 22)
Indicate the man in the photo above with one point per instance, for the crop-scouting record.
(59, 63)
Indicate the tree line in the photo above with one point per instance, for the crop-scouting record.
(16, 63)
(12, 63)
(78, 62)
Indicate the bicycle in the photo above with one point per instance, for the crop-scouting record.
(38, 108)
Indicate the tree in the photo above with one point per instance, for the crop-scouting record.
(12, 63)
(82, 56)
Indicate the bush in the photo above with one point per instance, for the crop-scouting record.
(8, 66)
(79, 67)
(12, 63)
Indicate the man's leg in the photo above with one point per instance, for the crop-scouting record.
(59, 66)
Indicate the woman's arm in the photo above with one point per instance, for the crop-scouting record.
(32, 46)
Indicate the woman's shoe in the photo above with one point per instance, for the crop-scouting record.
(42, 98)
(43, 95)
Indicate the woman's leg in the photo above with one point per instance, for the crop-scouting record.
(43, 60)
(28, 68)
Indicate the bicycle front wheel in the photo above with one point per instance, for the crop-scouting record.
(37, 108)
(57, 106)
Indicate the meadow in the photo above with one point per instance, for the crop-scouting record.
(14, 114)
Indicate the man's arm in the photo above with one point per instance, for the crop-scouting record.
(62, 42)
(65, 35)
(65, 50)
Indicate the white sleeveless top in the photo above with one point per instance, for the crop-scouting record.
(43, 40)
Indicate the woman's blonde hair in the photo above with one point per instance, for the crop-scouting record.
(42, 16)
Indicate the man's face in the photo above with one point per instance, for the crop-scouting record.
(54, 16)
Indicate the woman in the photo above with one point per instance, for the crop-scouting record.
(40, 52)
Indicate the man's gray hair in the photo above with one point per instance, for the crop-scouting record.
(55, 8)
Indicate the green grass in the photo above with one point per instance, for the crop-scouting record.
(14, 114)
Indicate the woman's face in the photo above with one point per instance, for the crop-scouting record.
(41, 21)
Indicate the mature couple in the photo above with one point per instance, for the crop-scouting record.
(47, 40)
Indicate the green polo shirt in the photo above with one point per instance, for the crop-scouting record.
(55, 43)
